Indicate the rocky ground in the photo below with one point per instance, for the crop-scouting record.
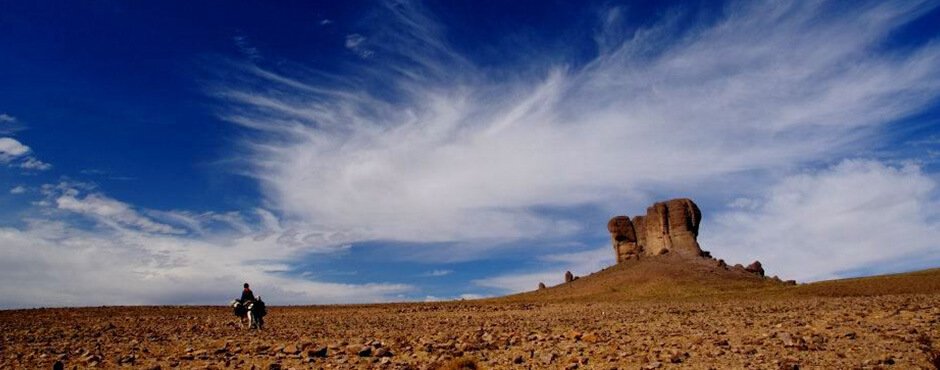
(891, 331)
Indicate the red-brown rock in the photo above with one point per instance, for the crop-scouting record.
(755, 268)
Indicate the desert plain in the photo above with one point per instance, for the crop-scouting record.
(885, 322)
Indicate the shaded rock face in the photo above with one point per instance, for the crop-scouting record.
(624, 238)
(667, 227)
(755, 268)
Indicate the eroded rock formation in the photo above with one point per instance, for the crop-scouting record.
(667, 227)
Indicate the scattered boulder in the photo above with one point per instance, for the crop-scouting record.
(569, 277)
(755, 268)
(541, 285)
(317, 352)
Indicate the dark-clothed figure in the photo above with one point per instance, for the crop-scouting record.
(247, 295)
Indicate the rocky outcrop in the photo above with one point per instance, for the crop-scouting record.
(667, 227)
(569, 277)
(755, 268)
(624, 238)
(541, 285)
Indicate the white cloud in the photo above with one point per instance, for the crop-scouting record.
(136, 260)
(11, 148)
(111, 212)
(579, 263)
(55, 264)
(453, 153)
(436, 273)
(354, 42)
(6, 118)
(19, 189)
(31, 163)
(855, 215)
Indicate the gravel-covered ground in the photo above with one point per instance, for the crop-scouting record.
(892, 331)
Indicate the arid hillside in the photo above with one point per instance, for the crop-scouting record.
(670, 277)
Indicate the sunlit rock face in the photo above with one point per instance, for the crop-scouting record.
(667, 227)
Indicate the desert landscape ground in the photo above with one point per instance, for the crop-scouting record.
(665, 304)
(870, 323)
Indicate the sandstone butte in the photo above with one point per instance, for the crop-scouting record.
(661, 248)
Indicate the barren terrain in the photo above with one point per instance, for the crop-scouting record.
(882, 322)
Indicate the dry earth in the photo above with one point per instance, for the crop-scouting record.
(883, 322)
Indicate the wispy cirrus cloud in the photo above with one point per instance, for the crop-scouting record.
(9, 124)
(437, 273)
(423, 146)
(129, 258)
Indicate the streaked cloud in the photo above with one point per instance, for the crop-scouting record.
(108, 211)
(446, 151)
(355, 43)
(31, 163)
(437, 273)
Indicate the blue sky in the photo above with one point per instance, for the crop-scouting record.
(165, 152)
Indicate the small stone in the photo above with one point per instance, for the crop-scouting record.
(547, 358)
(317, 352)
(589, 338)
